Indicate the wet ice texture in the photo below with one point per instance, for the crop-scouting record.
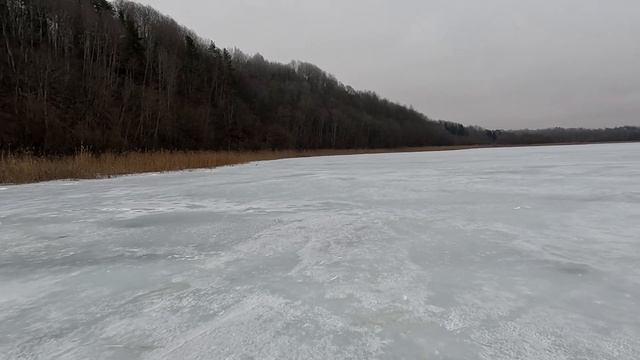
(524, 253)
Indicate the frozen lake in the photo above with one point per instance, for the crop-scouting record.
(520, 253)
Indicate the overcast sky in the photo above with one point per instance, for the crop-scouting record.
(494, 63)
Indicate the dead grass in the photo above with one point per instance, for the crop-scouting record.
(25, 168)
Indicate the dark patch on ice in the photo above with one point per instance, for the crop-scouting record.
(195, 206)
(81, 260)
(166, 219)
(573, 268)
(567, 267)
(297, 175)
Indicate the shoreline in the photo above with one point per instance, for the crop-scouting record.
(27, 169)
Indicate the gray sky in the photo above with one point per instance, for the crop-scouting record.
(494, 63)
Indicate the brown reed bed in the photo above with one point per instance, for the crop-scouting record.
(27, 168)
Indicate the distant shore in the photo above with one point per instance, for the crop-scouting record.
(24, 168)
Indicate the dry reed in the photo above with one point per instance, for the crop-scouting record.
(26, 168)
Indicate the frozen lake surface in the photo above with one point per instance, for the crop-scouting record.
(520, 253)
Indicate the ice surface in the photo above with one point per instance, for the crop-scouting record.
(521, 253)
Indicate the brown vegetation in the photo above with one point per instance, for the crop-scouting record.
(26, 168)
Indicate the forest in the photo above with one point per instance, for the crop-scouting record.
(120, 76)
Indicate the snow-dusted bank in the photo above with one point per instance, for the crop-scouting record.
(522, 253)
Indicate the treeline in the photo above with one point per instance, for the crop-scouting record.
(561, 135)
(119, 76)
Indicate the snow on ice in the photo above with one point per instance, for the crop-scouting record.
(518, 253)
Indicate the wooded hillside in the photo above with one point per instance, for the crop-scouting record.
(119, 76)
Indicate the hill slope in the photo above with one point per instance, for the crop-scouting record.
(121, 76)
